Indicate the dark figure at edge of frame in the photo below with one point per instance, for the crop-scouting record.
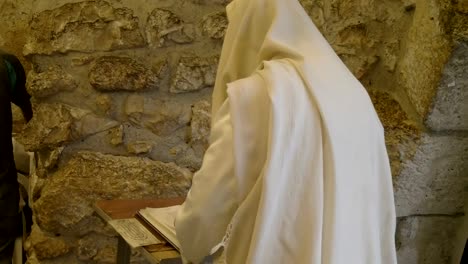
(12, 89)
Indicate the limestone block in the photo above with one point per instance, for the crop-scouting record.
(401, 135)
(389, 55)
(50, 127)
(47, 246)
(66, 202)
(450, 107)
(459, 20)
(116, 135)
(315, 10)
(87, 248)
(96, 247)
(164, 27)
(427, 49)
(351, 41)
(15, 25)
(84, 26)
(112, 73)
(426, 239)
(48, 158)
(104, 103)
(139, 147)
(357, 29)
(215, 25)
(194, 73)
(162, 117)
(89, 124)
(106, 255)
(167, 148)
(189, 159)
(49, 82)
(53, 125)
(200, 126)
(435, 180)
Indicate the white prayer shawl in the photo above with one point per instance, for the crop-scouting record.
(297, 170)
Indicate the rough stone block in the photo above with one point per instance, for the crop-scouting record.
(47, 246)
(215, 25)
(97, 248)
(355, 47)
(50, 127)
(111, 73)
(459, 20)
(53, 125)
(162, 117)
(427, 49)
(48, 158)
(194, 73)
(401, 135)
(49, 82)
(164, 27)
(200, 126)
(104, 103)
(116, 135)
(163, 146)
(66, 203)
(450, 107)
(435, 180)
(426, 239)
(84, 26)
(139, 147)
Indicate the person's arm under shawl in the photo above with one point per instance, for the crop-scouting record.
(211, 202)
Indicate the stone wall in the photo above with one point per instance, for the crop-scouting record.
(122, 102)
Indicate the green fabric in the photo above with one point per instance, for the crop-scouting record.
(11, 76)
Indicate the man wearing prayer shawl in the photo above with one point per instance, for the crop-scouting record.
(297, 170)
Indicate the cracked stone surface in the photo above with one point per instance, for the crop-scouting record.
(49, 82)
(215, 25)
(54, 125)
(160, 116)
(194, 73)
(66, 202)
(200, 126)
(84, 26)
(112, 73)
(164, 27)
(139, 147)
(401, 134)
(426, 239)
(47, 246)
(435, 180)
(450, 107)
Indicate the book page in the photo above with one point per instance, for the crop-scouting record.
(134, 233)
(163, 220)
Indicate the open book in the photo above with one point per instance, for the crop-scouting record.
(162, 220)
